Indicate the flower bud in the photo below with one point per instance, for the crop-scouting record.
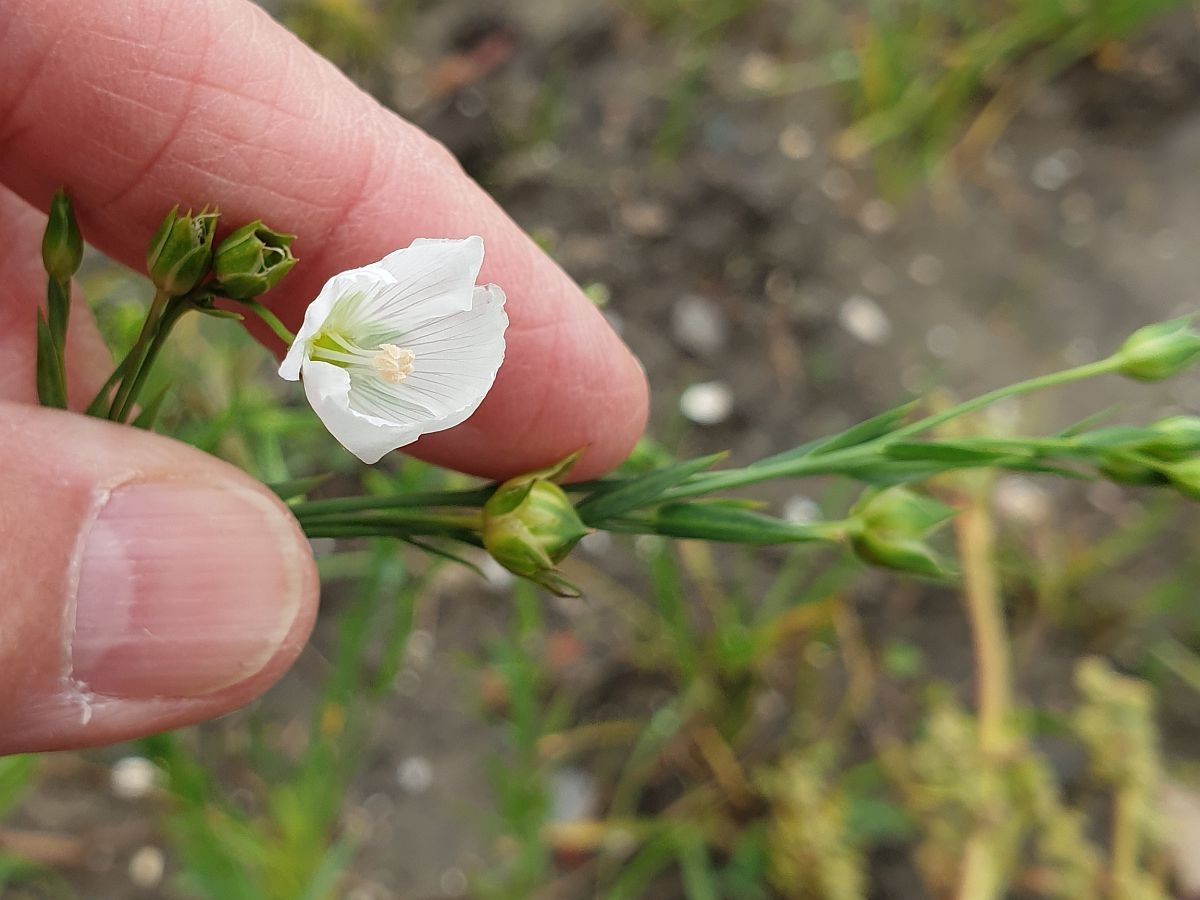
(252, 260)
(180, 252)
(1124, 470)
(892, 527)
(1185, 476)
(1160, 351)
(529, 526)
(1174, 439)
(62, 244)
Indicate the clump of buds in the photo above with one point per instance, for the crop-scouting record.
(530, 525)
(252, 260)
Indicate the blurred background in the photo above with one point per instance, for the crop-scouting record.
(798, 214)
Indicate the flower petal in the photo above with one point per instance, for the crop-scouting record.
(431, 278)
(354, 283)
(367, 437)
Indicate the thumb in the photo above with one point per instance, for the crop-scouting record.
(146, 585)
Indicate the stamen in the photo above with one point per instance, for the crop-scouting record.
(393, 363)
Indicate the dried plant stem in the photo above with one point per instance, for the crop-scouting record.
(981, 877)
(1125, 840)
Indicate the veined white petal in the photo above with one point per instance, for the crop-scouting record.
(456, 360)
(367, 437)
(431, 278)
(340, 289)
(401, 348)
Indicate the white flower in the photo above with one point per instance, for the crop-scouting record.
(402, 347)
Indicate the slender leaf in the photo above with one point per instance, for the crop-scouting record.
(51, 379)
(58, 306)
(295, 488)
(619, 497)
(733, 525)
(149, 413)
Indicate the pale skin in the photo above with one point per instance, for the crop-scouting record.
(134, 106)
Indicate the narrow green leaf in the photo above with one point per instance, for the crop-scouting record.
(51, 380)
(875, 427)
(58, 306)
(295, 488)
(618, 497)
(1113, 438)
(948, 452)
(149, 414)
(699, 883)
(730, 524)
(637, 874)
(442, 552)
(219, 313)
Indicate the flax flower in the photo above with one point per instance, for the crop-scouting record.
(402, 347)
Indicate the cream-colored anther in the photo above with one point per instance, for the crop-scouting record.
(393, 363)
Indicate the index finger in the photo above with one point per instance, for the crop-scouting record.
(137, 105)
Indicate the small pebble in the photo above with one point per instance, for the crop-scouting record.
(415, 774)
(471, 103)
(801, 510)
(942, 340)
(133, 777)
(796, 142)
(453, 882)
(146, 867)
(698, 325)
(877, 216)
(926, 269)
(572, 795)
(836, 184)
(1020, 500)
(707, 402)
(866, 320)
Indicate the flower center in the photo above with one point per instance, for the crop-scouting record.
(393, 363)
(387, 362)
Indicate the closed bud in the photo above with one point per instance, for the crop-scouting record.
(530, 525)
(891, 528)
(1124, 470)
(180, 253)
(252, 260)
(62, 244)
(1185, 476)
(1160, 351)
(1175, 438)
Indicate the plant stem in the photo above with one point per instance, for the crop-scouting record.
(321, 510)
(981, 877)
(839, 460)
(271, 320)
(132, 364)
(166, 322)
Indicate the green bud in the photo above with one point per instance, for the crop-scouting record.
(1123, 470)
(1160, 351)
(1175, 438)
(252, 260)
(892, 525)
(530, 525)
(180, 252)
(1185, 476)
(62, 244)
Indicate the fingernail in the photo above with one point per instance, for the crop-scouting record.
(184, 588)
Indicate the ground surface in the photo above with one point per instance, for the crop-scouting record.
(753, 261)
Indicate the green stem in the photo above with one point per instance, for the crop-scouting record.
(166, 323)
(271, 320)
(323, 509)
(838, 460)
(132, 364)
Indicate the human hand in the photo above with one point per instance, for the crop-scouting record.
(147, 585)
